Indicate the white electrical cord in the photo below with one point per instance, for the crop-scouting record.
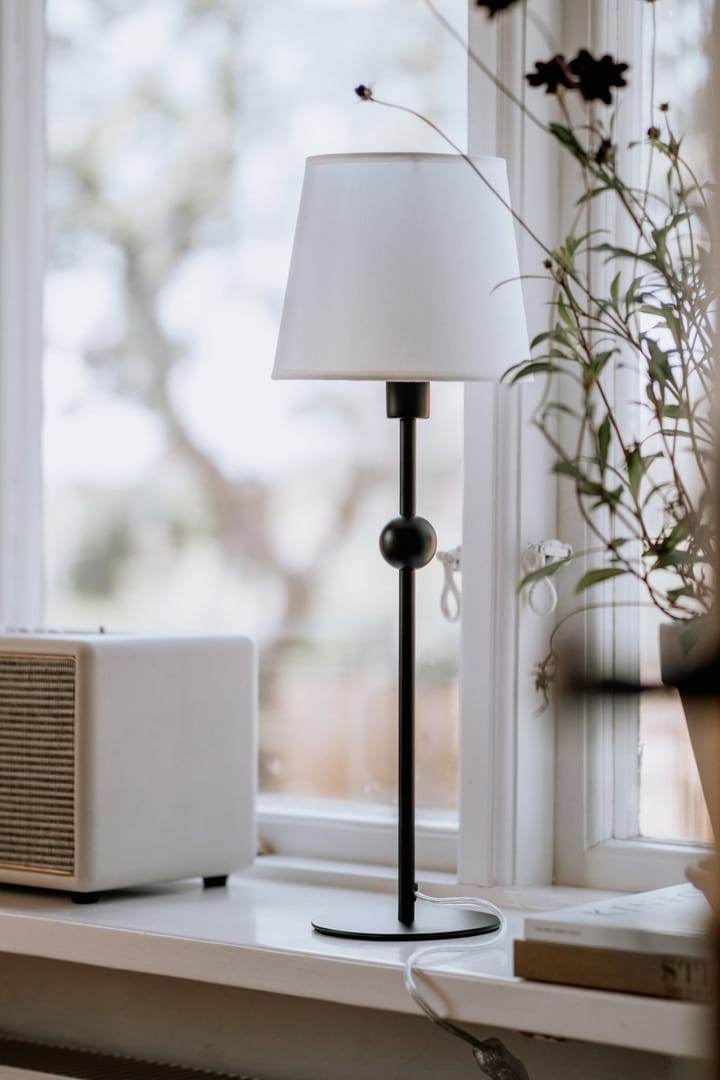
(490, 1054)
(424, 953)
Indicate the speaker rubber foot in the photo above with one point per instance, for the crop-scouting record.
(217, 882)
(85, 897)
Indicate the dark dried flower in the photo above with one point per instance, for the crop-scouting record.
(364, 92)
(596, 77)
(653, 133)
(552, 74)
(665, 107)
(544, 676)
(548, 264)
(605, 153)
(494, 6)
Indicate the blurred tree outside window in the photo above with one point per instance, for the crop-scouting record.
(185, 491)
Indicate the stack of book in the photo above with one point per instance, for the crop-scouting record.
(649, 943)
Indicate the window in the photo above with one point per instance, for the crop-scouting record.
(583, 771)
(184, 491)
(628, 800)
(181, 526)
(671, 806)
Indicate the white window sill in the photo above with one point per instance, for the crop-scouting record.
(256, 934)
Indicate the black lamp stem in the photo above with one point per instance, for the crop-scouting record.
(407, 466)
(406, 692)
(407, 402)
(408, 542)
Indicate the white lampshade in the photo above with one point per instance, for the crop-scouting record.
(404, 268)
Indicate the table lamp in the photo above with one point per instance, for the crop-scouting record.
(404, 268)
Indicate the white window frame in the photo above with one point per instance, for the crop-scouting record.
(292, 827)
(503, 832)
(512, 782)
(506, 768)
(22, 154)
(596, 744)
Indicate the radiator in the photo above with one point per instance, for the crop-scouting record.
(36, 1061)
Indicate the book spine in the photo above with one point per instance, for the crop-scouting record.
(657, 975)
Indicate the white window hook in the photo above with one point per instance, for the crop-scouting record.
(450, 599)
(535, 557)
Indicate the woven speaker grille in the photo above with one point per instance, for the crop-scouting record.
(37, 758)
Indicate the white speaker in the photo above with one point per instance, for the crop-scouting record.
(125, 759)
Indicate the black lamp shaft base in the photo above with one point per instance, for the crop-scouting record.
(379, 922)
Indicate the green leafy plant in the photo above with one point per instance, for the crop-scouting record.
(641, 484)
(640, 309)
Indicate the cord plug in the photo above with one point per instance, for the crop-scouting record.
(497, 1063)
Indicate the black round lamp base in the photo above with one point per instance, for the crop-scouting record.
(380, 922)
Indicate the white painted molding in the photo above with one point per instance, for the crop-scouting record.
(507, 771)
(22, 157)
(639, 865)
(356, 833)
(597, 787)
(528, 480)
(479, 790)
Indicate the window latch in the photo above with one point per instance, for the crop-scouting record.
(450, 598)
(535, 557)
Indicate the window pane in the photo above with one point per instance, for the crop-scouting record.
(671, 805)
(184, 490)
